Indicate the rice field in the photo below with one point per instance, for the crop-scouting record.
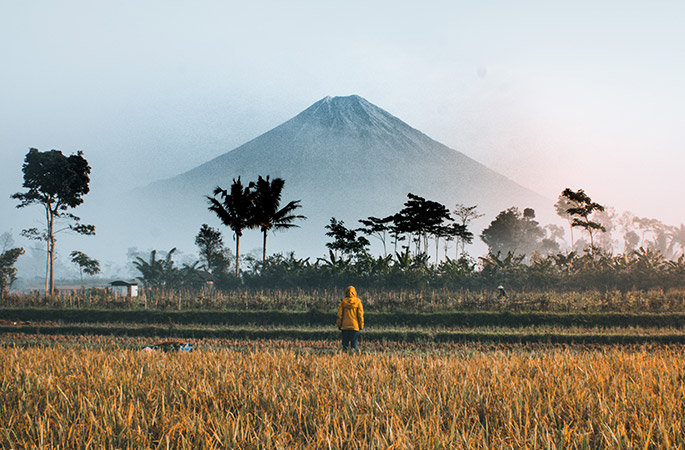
(309, 395)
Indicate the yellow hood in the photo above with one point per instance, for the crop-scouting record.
(351, 300)
(350, 291)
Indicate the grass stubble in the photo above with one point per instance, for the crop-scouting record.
(271, 397)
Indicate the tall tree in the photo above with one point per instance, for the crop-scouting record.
(345, 240)
(561, 207)
(463, 236)
(513, 231)
(214, 256)
(465, 215)
(8, 273)
(422, 218)
(582, 212)
(85, 264)
(268, 215)
(235, 209)
(608, 220)
(57, 183)
(378, 228)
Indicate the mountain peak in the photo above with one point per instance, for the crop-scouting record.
(342, 102)
(350, 112)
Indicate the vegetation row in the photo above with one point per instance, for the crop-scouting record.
(383, 300)
(418, 336)
(318, 319)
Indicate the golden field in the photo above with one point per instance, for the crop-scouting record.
(320, 398)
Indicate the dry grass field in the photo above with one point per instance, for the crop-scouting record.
(266, 396)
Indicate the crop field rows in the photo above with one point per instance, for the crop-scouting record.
(475, 327)
(273, 379)
(625, 336)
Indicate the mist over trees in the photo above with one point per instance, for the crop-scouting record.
(423, 244)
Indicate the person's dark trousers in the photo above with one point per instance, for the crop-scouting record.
(350, 339)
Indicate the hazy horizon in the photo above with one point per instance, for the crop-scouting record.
(580, 95)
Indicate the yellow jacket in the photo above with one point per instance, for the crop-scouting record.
(350, 311)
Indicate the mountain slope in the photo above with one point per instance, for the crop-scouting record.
(343, 157)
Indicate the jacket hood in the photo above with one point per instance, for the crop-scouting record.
(351, 300)
(350, 291)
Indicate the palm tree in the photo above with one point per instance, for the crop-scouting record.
(235, 210)
(156, 272)
(267, 215)
(677, 235)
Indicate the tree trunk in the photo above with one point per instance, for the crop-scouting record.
(264, 248)
(571, 237)
(47, 267)
(51, 253)
(237, 255)
(47, 252)
(52, 265)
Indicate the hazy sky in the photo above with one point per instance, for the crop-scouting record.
(583, 94)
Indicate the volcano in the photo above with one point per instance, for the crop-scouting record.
(342, 157)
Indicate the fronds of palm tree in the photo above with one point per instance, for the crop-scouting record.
(155, 272)
(235, 209)
(268, 215)
(677, 235)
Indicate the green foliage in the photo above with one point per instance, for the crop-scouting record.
(345, 240)
(214, 257)
(8, 273)
(54, 180)
(85, 264)
(513, 231)
(156, 273)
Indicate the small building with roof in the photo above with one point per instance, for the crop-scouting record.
(124, 288)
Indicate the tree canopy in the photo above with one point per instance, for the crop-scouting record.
(57, 183)
(514, 231)
(582, 207)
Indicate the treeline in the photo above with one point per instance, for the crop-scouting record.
(641, 270)
(424, 243)
(522, 255)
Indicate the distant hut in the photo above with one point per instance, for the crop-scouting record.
(124, 288)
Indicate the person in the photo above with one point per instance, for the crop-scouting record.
(350, 318)
(502, 292)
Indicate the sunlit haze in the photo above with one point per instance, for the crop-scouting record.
(552, 95)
